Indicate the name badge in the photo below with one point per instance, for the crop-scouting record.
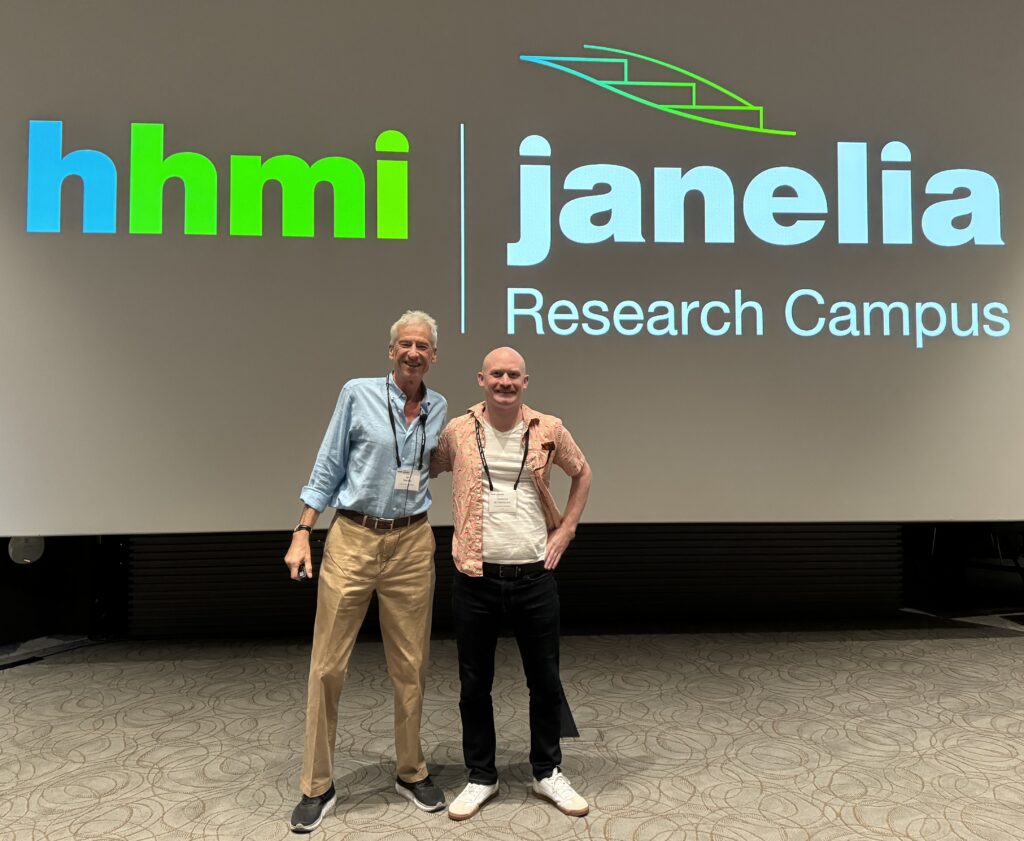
(407, 479)
(502, 502)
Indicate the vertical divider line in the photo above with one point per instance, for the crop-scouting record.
(462, 222)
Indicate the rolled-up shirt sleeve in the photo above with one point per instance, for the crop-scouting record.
(329, 468)
(568, 455)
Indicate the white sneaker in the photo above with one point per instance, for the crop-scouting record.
(468, 803)
(559, 791)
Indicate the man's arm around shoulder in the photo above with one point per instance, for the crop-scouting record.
(441, 457)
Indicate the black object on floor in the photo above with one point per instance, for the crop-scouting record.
(569, 729)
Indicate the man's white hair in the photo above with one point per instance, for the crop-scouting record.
(415, 317)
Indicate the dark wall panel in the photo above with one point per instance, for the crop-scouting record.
(614, 577)
(74, 588)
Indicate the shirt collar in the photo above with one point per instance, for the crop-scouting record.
(479, 412)
(426, 395)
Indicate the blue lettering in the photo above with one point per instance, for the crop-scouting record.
(622, 202)
(921, 331)
(667, 315)
(47, 169)
(742, 307)
(670, 190)
(534, 206)
(761, 205)
(514, 310)
(563, 311)
(845, 321)
(897, 200)
(706, 325)
(628, 317)
(791, 303)
(595, 311)
(981, 206)
(886, 309)
(852, 192)
(994, 312)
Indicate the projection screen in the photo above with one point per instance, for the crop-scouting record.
(763, 258)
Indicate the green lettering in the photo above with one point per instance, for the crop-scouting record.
(392, 187)
(298, 182)
(150, 171)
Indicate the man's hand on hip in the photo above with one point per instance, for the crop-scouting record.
(558, 541)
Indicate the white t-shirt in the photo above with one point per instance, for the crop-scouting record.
(514, 527)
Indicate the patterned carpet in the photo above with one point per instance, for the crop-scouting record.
(823, 736)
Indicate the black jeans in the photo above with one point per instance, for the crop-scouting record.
(531, 606)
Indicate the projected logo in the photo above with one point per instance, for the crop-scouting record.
(871, 196)
(150, 169)
(681, 93)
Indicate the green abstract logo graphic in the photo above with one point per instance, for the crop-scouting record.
(696, 98)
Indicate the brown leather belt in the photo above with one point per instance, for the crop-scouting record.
(381, 523)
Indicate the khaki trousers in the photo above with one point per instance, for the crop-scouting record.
(399, 565)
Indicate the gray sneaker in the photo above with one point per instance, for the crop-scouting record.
(423, 794)
(307, 815)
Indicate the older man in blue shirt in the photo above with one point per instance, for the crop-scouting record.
(373, 468)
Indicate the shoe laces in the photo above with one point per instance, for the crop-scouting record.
(560, 784)
(474, 792)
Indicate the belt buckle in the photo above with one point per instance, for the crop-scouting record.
(371, 522)
(389, 521)
(512, 569)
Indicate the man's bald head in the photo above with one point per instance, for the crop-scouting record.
(504, 356)
(503, 378)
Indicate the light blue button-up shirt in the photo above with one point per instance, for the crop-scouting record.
(355, 468)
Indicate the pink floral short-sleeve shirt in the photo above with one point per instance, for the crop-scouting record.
(550, 443)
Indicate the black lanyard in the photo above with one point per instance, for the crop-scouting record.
(483, 458)
(394, 430)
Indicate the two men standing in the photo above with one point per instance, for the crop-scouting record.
(509, 535)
